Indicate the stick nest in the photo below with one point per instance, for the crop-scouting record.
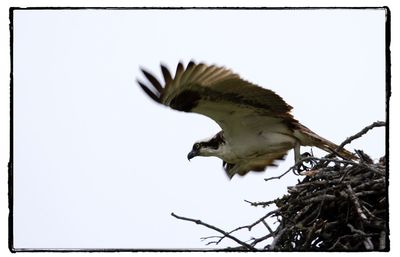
(340, 205)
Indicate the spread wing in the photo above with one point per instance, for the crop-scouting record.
(235, 104)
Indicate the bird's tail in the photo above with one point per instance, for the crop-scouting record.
(312, 139)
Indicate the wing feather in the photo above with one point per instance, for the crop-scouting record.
(198, 72)
(175, 85)
(256, 164)
(208, 72)
(187, 74)
(149, 92)
(216, 92)
(156, 84)
(166, 74)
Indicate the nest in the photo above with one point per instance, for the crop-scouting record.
(340, 205)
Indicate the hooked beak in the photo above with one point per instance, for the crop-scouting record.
(192, 154)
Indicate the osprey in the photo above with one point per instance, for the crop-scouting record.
(257, 127)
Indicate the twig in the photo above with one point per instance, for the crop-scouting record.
(361, 133)
(249, 227)
(371, 168)
(356, 203)
(309, 235)
(199, 222)
(291, 168)
(283, 174)
(263, 204)
(382, 240)
(337, 242)
(264, 217)
(311, 158)
(367, 239)
(258, 240)
(209, 237)
(267, 226)
(277, 238)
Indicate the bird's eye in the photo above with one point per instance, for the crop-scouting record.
(196, 146)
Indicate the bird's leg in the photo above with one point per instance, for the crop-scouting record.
(298, 157)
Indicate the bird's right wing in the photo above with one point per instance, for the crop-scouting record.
(221, 95)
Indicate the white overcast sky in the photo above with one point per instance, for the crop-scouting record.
(97, 164)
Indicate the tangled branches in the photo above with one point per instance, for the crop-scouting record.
(340, 205)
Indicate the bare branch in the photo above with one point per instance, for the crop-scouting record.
(199, 222)
(263, 204)
(361, 133)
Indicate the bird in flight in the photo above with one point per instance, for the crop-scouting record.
(257, 127)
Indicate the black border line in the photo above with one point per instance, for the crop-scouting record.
(388, 77)
(11, 161)
(92, 250)
(200, 8)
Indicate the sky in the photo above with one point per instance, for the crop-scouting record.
(98, 164)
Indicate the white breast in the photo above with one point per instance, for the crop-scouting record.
(250, 138)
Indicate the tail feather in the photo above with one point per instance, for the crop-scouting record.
(307, 137)
(328, 146)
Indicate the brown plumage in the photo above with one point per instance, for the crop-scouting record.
(257, 126)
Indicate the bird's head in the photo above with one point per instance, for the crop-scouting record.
(196, 150)
(210, 147)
